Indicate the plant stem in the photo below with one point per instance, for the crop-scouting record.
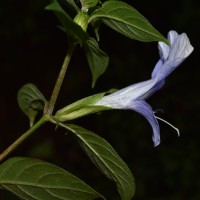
(23, 137)
(61, 76)
(49, 108)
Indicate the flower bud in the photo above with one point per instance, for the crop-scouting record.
(82, 20)
(86, 4)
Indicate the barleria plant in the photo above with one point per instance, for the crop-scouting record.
(30, 178)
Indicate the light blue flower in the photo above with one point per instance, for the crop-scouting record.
(133, 97)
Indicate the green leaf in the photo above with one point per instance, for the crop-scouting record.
(30, 100)
(128, 21)
(69, 26)
(32, 179)
(106, 159)
(80, 108)
(97, 59)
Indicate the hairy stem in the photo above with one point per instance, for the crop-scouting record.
(23, 137)
(61, 76)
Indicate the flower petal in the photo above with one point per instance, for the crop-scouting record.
(157, 68)
(179, 50)
(172, 36)
(156, 87)
(123, 98)
(163, 50)
(145, 109)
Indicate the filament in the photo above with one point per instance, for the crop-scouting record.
(169, 124)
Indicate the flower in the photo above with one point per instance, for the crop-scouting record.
(133, 97)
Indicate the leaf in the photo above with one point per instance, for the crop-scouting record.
(106, 159)
(128, 21)
(32, 179)
(80, 108)
(69, 26)
(30, 100)
(97, 59)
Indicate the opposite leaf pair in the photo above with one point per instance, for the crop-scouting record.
(117, 15)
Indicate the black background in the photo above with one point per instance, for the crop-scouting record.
(32, 49)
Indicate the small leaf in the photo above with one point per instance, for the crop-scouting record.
(32, 179)
(128, 21)
(69, 26)
(31, 100)
(80, 108)
(97, 59)
(106, 159)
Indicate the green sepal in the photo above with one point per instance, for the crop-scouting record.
(82, 20)
(31, 101)
(97, 59)
(126, 20)
(69, 26)
(80, 108)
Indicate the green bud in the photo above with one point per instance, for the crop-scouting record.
(82, 20)
(86, 4)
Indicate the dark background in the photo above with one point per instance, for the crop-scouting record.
(32, 49)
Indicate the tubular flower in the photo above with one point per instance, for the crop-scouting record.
(133, 97)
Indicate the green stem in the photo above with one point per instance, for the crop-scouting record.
(23, 137)
(48, 109)
(61, 76)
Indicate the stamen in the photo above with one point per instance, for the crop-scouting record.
(169, 124)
